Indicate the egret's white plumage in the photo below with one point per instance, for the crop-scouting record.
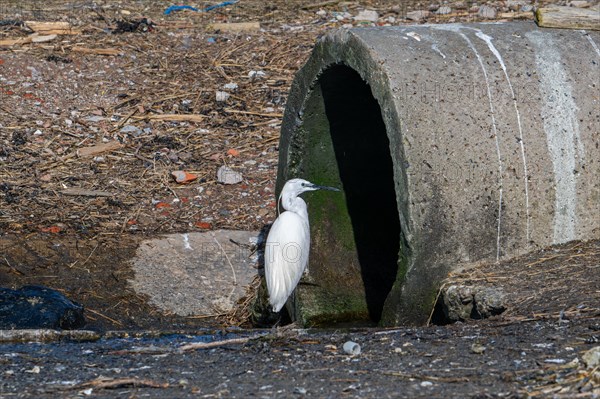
(288, 243)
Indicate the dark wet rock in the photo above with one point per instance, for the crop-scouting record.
(488, 302)
(457, 302)
(461, 302)
(38, 307)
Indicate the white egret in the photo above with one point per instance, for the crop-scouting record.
(288, 242)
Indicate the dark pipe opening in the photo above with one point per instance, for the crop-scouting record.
(362, 153)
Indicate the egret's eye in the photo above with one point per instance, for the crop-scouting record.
(303, 184)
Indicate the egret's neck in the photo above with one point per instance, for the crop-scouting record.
(294, 204)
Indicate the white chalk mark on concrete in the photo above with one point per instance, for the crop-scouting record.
(562, 132)
(495, 131)
(235, 283)
(414, 35)
(435, 48)
(592, 42)
(186, 242)
(488, 40)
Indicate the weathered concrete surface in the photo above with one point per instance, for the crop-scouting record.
(195, 274)
(484, 138)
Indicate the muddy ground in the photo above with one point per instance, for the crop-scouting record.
(71, 220)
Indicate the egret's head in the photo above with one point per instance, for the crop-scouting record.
(298, 186)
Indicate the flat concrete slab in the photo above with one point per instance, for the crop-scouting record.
(196, 274)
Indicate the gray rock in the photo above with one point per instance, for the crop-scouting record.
(198, 274)
(457, 302)
(226, 175)
(460, 302)
(221, 96)
(38, 307)
(591, 358)
(487, 12)
(527, 8)
(444, 10)
(367, 15)
(489, 302)
(133, 130)
(418, 15)
(94, 118)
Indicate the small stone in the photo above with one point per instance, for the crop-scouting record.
(418, 15)
(478, 348)
(133, 130)
(591, 358)
(367, 15)
(487, 12)
(231, 86)
(300, 391)
(321, 13)
(94, 118)
(527, 8)
(34, 370)
(46, 178)
(173, 157)
(226, 175)
(342, 16)
(426, 384)
(514, 5)
(185, 156)
(256, 74)
(489, 302)
(221, 96)
(458, 303)
(444, 10)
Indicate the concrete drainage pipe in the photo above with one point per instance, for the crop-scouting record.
(453, 144)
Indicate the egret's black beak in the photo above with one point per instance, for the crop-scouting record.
(325, 188)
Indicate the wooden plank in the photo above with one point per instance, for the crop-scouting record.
(234, 27)
(321, 4)
(14, 42)
(516, 15)
(569, 17)
(99, 149)
(173, 117)
(37, 26)
(33, 38)
(52, 28)
(98, 51)
(85, 193)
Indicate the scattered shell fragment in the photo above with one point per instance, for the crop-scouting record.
(221, 96)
